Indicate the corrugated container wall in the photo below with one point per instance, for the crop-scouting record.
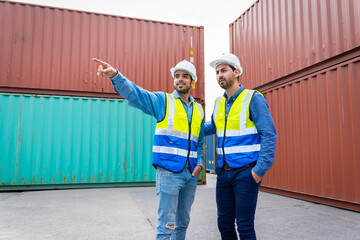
(317, 120)
(48, 50)
(305, 57)
(75, 131)
(275, 38)
(65, 142)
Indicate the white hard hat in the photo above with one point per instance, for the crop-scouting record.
(229, 59)
(186, 67)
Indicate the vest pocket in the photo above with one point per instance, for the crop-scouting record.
(233, 123)
(172, 141)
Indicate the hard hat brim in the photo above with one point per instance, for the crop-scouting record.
(218, 62)
(175, 69)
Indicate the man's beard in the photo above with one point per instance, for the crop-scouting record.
(185, 89)
(228, 82)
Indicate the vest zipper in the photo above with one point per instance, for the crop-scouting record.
(223, 143)
(189, 148)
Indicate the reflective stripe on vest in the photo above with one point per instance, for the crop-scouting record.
(175, 151)
(173, 142)
(239, 143)
(170, 132)
(237, 149)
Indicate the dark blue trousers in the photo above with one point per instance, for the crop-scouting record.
(236, 198)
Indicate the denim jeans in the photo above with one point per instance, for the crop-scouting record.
(236, 198)
(176, 193)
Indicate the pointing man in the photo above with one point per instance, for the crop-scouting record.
(178, 143)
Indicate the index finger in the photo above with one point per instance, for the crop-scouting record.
(101, 62)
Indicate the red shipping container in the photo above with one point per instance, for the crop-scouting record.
(304, 56)
(48, 50)
(317, 120)
(275, 38)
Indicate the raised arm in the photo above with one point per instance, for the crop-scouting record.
(152, 103)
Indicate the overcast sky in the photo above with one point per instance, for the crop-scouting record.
(215, 16)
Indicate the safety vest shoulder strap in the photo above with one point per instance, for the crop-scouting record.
(168, 121)
(201, 111)
(244, 108)
(216, 107)
(171, 111)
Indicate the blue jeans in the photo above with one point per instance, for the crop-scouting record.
(236, 198)
(176, 193)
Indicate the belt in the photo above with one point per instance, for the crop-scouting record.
(226, 167)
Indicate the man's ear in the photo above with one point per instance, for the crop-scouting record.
(237, 73)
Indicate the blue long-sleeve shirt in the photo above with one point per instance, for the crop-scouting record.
(260, 115)
(153, 103)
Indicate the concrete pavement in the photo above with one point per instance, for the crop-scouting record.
(131, 213)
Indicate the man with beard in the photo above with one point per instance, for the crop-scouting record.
(246, 140)
(178, 143)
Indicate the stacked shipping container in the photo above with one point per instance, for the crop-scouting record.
(46, 56)
(49, 50)
(73, 141)
(305, 57)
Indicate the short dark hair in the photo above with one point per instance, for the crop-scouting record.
(238, 77)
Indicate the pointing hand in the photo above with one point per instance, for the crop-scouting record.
(105, 69)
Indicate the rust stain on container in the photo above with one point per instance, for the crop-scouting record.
(92, 179)
(48, 50)
(73, 178)
(101, 177)
(110, 177)
(275, 38)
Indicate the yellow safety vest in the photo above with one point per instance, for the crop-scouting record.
(238, 142)
(176, 139)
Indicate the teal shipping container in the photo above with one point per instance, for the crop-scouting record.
(49, 142)
(210, 153)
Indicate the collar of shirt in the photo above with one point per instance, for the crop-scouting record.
(229, 102)
(235, 95)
